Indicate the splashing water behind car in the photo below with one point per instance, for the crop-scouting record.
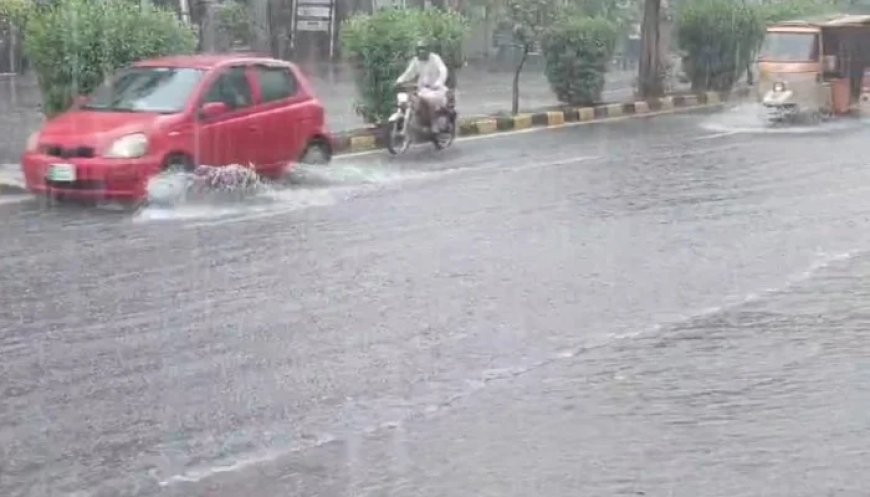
(205, 184)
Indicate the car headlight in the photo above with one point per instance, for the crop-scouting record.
(128, 147)
(779, 86)
(33, 142)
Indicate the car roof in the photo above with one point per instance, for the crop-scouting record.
(209, 61)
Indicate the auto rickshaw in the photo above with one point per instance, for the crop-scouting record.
(813, 69)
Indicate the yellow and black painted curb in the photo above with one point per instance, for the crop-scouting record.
(361, 140)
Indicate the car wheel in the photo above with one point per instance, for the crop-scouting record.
(179, 163)
(316, 154)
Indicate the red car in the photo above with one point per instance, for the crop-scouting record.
(178, 112)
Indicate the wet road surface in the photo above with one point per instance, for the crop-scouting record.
(663, 307)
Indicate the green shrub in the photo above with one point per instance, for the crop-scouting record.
(577, 51)
(75, 44)
(381, 44)
(786, 10)
(234, 23)
(15, 12)
(719, 38)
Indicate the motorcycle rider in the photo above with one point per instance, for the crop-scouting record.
(431, 74)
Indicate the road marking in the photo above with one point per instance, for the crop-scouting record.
(539, 129)
(716, 135)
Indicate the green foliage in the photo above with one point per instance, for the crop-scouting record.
(234, 22)
(15, 12)
(578, 51)
(622, 13)
(531, 19)
(719, 38)
(75, 44)
(381, 44)
(777, 11)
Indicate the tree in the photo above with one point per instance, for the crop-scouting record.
(530, 19)
(650, 73)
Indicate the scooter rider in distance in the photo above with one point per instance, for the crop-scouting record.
(431, 74)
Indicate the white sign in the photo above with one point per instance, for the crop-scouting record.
(388, 4)
(62, 172)
(312, 25)
(312, 11)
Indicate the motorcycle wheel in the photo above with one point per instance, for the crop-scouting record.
(444, 139)
(398, 140)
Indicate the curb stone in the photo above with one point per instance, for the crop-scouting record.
(11, 189)
(372, 138)
(9, 183)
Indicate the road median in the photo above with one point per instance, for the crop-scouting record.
(374, 138)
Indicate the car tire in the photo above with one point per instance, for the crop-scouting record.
(317, 153)
(179, 163)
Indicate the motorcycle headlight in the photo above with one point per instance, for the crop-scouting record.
(402, 98)
(779, 86)
(128, 147)
(32, 142)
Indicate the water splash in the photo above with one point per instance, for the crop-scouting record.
(749, 118)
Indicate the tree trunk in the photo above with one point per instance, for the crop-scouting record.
(650, 71)
(515, 104)
(262, 27)
(208, 26)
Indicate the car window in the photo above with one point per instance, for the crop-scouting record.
(146, 89)
(231, 88)
(276, 83)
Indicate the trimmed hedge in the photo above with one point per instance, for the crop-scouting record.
(719, 38)
(381, 44)
(74, 45)
(578, 51)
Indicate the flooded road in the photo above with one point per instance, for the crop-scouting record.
(664, 307)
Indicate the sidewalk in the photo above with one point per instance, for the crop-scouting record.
(480, 92)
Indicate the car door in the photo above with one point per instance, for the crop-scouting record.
(232, 137)
(279, 104)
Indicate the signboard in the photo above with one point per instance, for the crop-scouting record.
(312, 25)
(316, 11)
(314, 16)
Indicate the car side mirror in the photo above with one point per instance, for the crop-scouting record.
(212, 110)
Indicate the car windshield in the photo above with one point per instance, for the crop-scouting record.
(146, 89)
(790, 47)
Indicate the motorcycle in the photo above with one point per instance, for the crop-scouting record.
(404, 127)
